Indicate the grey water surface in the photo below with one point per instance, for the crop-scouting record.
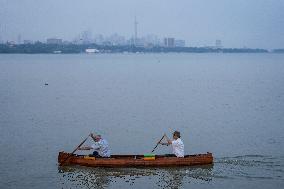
(229, 104)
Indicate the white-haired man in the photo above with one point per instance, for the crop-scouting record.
(100, 147)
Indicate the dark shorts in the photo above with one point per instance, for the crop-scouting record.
(95, 154)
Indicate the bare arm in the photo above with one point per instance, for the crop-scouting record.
(89, 147)
(164, 143)
(85, 148)
(168, 139)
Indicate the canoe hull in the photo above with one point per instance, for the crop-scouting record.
(135, 160)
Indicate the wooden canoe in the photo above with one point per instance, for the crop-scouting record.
(135, 160)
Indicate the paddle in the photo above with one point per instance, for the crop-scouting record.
(158, 143)
(62, 163)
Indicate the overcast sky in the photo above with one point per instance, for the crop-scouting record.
(238, 23)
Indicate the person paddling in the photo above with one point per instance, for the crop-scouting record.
(177, 144)
(100, 147)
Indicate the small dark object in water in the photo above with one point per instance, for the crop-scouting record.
(46, 84)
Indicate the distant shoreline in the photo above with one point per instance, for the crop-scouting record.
(42, 48)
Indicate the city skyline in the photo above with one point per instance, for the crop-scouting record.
(254, 24)
(115, 39)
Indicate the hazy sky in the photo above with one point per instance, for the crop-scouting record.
(238, 23)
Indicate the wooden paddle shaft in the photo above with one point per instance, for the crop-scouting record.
(158, 143)
(80, 145)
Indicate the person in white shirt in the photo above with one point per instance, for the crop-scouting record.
(177, 144)
(100, 147)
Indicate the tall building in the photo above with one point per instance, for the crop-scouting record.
(135, 31)
(116, 39)
(99, 39)
(19, 40)
(1, 30)
(218, 44)
(169, 42)
(152, 40)
(54, 41)
(86, 37)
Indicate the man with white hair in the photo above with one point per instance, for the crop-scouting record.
(100, 147)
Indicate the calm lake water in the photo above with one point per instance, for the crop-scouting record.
(229, 104)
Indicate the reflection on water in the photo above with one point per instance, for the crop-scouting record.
(75, 176)
(255, 168)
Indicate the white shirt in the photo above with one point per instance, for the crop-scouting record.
(102, 148)
(178, 147)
